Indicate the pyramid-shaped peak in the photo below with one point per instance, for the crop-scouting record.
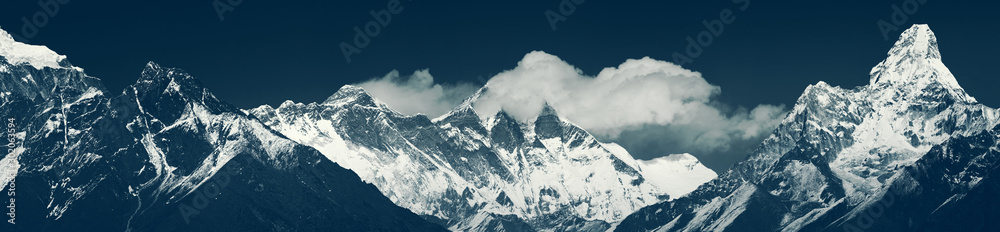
(351, 89)
(918, 41)
(548, 124)
(547, 110)
(467, 107)
(156, 80)
(154, 73)
(352, 94)
(503, 115)
(914, 64)
(347, 91)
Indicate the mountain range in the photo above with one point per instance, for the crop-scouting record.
(163, 155)
(492, 174)
(910, 151)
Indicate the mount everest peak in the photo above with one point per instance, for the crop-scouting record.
(350, 93)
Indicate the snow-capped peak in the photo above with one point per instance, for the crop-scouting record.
(914, 64)
(354, 95)
(918, 41)
(157, 78)
(467, 107)
(677, 174)
(348, 90)
(37, 56)
(350, 93)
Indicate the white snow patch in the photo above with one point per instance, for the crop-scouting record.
(19, 53)
(9, 165)
(89, 94)
(677, 175)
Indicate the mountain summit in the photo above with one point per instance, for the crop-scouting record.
(914, 66)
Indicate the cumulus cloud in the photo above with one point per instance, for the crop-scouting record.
(631, 97)
(417, 93)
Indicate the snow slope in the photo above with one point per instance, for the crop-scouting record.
(37, 56)
(677, 174)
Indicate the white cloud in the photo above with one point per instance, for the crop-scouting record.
(635, 94)
(417, 93)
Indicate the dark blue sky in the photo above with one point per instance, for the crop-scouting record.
(265, 52)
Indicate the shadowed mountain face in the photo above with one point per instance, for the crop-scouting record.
(893, 155)
(164, 155)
